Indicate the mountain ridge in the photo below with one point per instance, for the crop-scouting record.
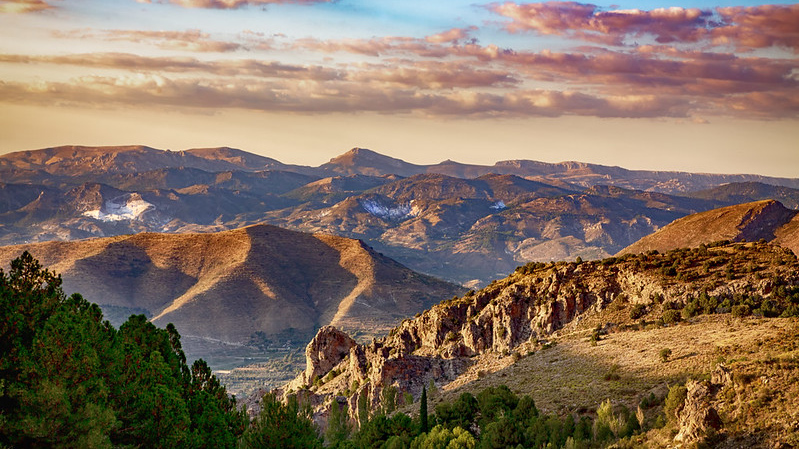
(57, 160)
(765, 219)
(488, 330)
(469, 226)
(232, 284)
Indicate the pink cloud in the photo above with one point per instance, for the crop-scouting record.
(453, 35)
(432, 75)
(374, 47)
(189, 40)
(759, 26)
(24, 6)
(239, 67)
(235, 4)
(588, 22)
(156, 90)
(744, 27)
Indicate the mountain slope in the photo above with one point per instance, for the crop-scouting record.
(750, 221)
(77, 161)
(463, 340)
(230, 285)
(475, 230)
(60, 163)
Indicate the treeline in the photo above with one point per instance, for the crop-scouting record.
(70, 379)
(495, 418)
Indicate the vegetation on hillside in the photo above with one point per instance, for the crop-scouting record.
(70, 379)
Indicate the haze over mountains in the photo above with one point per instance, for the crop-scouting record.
(464, 223)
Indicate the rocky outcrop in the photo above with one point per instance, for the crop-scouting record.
(325, 351)
(516, 314)
(697, 420)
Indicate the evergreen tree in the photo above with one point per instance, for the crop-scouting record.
(423, 411)
(363, 408)
(338, 426)
(51, 346)
(69, 379)
(282, 426)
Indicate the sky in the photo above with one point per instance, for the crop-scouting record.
(703, 86)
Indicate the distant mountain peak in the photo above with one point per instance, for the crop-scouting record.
(367, 162)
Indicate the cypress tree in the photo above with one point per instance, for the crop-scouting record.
(423, 411)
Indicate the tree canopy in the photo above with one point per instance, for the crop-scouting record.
(69, 379)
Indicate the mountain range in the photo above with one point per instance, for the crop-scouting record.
(234, 285)
(465, 223)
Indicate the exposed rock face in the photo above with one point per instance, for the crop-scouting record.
(516, 313)
(325, 351)
(698, 419)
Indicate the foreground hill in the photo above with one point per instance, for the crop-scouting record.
(231, 285)
(767, 219)
(461, 341)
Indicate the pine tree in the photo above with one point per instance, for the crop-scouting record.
(338, 426)
(423, 411)
(282, 426)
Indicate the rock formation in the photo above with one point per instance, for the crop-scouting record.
(517, 313)
(698, 419)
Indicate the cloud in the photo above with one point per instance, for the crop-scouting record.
(312, 97)
(226, 67)
(189, 40)
(451, 74)
(235, 4)
(745, 27)
(374, 47)
(588, 22)
(432, 75)
(24, 6)
(453, 35)
(759, 26)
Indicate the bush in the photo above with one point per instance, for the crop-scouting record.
(637, 311)
(665, 353)
(690, 310)
(671, 317)
(792, 310)
(741, 311)
(675, 401)
(649, 401)
(613, 374)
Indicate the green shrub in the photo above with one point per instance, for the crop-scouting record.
(671, 317)
(741, 310)
(613, 374)
(665, 353)
(690, 310)
(791, 310)
(637, 311)
(675, 401)
(649, 401)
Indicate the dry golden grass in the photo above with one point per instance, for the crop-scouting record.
(574, 376)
